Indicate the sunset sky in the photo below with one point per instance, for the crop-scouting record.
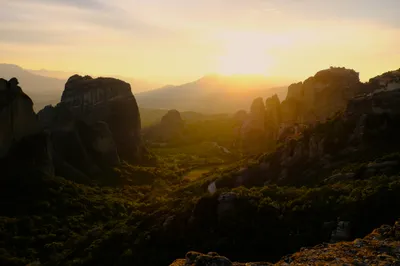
(179, 40)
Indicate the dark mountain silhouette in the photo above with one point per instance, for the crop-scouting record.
(138, 85)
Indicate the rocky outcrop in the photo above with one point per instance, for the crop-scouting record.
(381, 247)
(23, 145)
(252, 129)
(320, 96)
(198, 259)
(240, 116)
(273, 117)
(314, 100)
(71, 151)
(388, 81)
(96, 124)
(17, 118)
(379, 102)
(169, 128)
(111, 101)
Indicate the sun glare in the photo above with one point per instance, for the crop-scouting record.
(246, 54)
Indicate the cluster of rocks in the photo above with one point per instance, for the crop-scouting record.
(381, 247)
(314, 100)
(352, 117)
(94, 127)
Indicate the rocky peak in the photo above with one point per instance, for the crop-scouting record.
(388, 81)
(321, 95)
(85, 91)
(272, 102)
(23, 146)
(170, 128)
(17, 118)
(172, 117)
(109, 100)
(257, 107)
(273, 116)
(295, 90)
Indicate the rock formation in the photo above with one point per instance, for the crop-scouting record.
(17, 119)
(22, 143)
(273, 117)
(96, 124)
(169, 128)
(381, 247)
(314, 100)
(252, 129)
(111, 101)
(388, 81)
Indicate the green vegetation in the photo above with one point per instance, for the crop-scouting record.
(150, 215)
(59, 222)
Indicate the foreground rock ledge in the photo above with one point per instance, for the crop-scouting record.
(381, 247)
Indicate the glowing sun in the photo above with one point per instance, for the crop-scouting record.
(244, 54)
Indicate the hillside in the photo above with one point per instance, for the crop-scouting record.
(212, 94)
(141, 201)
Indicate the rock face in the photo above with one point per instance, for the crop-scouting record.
(320, 96)
(212, 258)
(364, 128)
(273, 117)
(378, 102)
(96, 124)
(388, 81)
(22, 143)
(80, 150)
(314, 100)
(17, 119)
(168, 129)
(381, 247)
(111, 101)
(252, 129)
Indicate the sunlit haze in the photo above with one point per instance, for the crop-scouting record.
(176, 41)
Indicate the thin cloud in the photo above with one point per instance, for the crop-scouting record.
(84, 4)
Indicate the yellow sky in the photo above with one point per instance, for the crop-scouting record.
(175, 41)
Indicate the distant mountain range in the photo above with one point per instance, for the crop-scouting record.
(209, 94)
(213, 94)
(138, 85)
(45, 86)
(43, 90)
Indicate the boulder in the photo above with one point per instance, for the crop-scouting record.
(210, 259)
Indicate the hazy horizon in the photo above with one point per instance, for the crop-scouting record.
(173, 42)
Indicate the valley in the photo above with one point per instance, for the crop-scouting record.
(96, 179)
